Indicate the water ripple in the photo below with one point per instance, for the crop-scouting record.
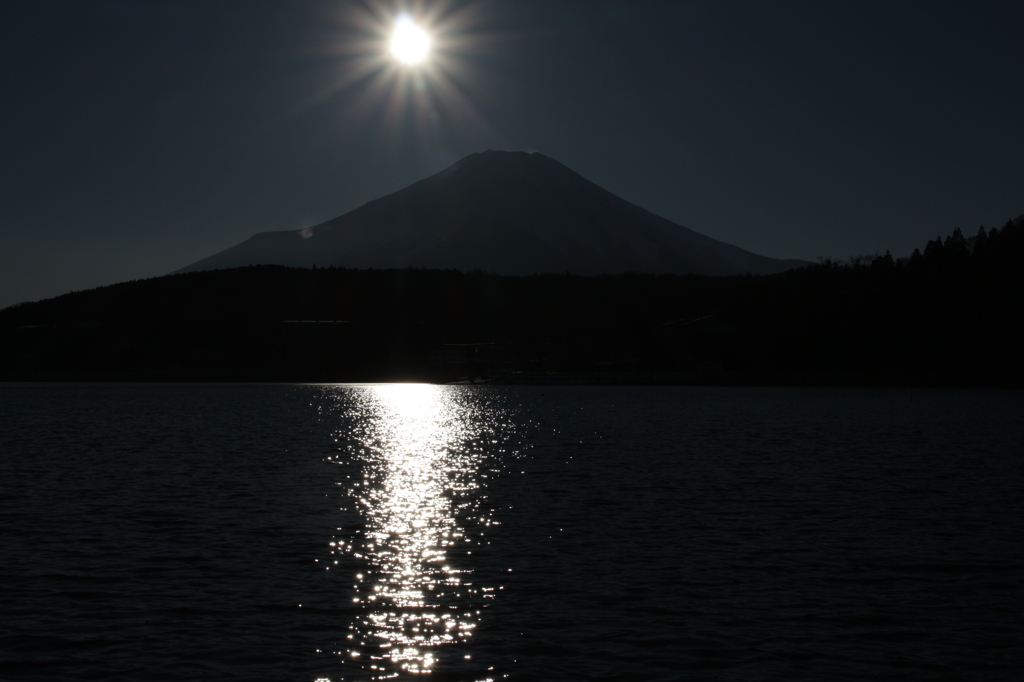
(470, 533)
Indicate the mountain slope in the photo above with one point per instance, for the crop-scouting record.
(510, 213)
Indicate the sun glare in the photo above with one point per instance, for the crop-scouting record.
(410, 44)
(411, 71)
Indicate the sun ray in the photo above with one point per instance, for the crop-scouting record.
(433, 104)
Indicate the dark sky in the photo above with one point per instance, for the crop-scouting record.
(139, 137)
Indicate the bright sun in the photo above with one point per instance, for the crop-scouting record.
(410, 44)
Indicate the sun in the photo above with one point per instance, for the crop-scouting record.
(412, 70)
(409, 44)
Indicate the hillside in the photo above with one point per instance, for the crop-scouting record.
(947, 316)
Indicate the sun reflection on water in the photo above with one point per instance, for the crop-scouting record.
(418, 450)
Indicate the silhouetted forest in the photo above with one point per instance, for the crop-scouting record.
(949, 314)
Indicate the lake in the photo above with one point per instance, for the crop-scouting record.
(408, 531)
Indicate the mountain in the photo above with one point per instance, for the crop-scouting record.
(512, 213)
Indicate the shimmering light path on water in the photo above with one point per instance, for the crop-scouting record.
(413, 469)
(446, 533)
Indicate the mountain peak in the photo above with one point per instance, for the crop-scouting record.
(501, 162)
(509, 212)
(502, 156)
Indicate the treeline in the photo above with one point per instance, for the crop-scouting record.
(947, 315)
(988, 248)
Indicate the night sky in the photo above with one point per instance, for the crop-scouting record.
(139, 137)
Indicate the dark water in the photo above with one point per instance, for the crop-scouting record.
(531, 533)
